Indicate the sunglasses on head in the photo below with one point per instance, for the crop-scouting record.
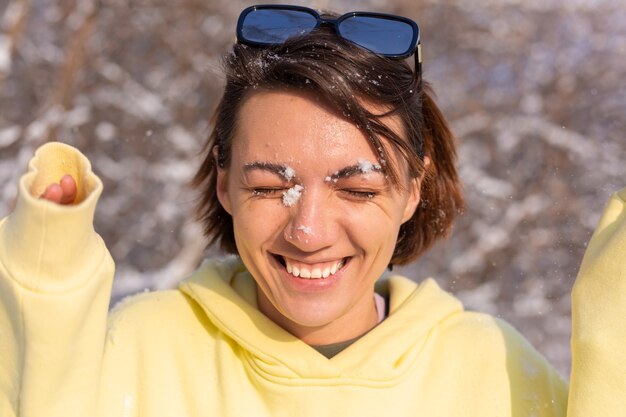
(384, 34)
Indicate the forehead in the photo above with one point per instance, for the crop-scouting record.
(288, 123)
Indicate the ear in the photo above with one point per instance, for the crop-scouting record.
(415, 193)
(222, 185)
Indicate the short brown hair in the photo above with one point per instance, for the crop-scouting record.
(344, 76)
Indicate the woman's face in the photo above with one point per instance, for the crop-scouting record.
(315, 219)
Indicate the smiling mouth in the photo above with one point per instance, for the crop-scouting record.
(311, 271)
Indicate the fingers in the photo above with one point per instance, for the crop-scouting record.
(68, 185)
(62, 193)
(53, 193)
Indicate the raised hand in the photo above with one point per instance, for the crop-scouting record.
(63, 192)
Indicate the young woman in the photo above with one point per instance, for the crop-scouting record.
(329, 162)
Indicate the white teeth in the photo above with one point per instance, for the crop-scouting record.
(315, 273)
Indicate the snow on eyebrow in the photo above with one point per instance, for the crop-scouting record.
(284, 171)
(288, 173)
(366, 166)
(292, 195)
(363, 166)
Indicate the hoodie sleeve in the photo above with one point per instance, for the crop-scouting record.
(55, 280)
(598, 379)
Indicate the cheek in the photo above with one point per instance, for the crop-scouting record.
(259, 222)
(375, 227)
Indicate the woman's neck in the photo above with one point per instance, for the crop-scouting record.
(356, 322)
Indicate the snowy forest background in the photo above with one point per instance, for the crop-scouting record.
(534, 89)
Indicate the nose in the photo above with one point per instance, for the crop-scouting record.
(313, 224)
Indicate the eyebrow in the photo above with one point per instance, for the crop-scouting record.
(353, 170)
(347, 172)
(266, 166)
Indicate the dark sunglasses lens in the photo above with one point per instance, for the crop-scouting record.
(380, 35)
(274, 26)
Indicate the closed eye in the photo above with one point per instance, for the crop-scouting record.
(268, 191)
(360, 194)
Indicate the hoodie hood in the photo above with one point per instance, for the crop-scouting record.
(227, 294)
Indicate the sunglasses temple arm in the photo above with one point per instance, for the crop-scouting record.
(418, 66)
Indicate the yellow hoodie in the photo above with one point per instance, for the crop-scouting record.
(206, 350)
